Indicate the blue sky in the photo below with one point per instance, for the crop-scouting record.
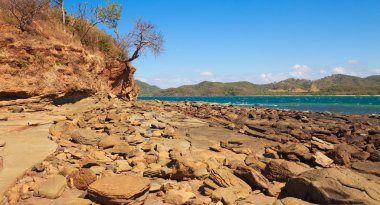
(260, 41)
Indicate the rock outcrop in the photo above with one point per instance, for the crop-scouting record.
(112, 151)
(333, 186)
(58, 67)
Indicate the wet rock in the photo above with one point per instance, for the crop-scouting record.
(83, 178)
(52, 188)
(119, 189)
(333, 186)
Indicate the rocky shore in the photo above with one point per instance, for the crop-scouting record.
(152, 152)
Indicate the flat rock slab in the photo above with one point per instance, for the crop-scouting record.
(333, 186)
(26, 145)
(118, 189)
(367, 167)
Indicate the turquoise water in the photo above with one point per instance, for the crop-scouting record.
(341, 104)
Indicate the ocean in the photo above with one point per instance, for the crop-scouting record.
(339, 104)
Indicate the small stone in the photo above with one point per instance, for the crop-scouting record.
(3, 118)
(97, 169)
(215, 148)
(2, 143)
(156, 133)
(322, 159)
(39, 167)
(154, 187)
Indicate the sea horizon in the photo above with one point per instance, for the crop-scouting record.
(346, 104)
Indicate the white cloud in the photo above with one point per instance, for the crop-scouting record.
(206, 73)
(353, 62)
(142, 80)
(299, 70)
(339, 70)
(323, 72)
(270, 78)
(376, 71)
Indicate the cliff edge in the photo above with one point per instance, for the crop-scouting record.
(48, 62)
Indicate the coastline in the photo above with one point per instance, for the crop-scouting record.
(337, 104)
(189, 149)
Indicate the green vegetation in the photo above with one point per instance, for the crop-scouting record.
(146, 89)
(332, 85)
(82, 25)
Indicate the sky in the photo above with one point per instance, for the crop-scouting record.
(260, 41)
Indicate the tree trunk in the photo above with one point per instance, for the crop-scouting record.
(63, 16)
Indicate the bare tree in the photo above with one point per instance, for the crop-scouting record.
(24, 11)
(61, 5)
(143, 37)
(109, 15)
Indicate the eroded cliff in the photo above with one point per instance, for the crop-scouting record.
(51, 63)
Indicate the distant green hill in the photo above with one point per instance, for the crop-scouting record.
(146, 89)
(331, 85)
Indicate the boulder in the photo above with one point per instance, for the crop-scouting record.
(300, 150)
(340, 155)
(228, 196)
(61, 127)
(187, 168)
(375, 156)
(333, 186)
(252, 177)
(85, 137)
(109, 142)
(83, 178)
(281, 170)
(224, 186)
(178, 197)
(52, 188)
(118, 189)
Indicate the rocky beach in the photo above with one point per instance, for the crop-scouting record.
(109, 151)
